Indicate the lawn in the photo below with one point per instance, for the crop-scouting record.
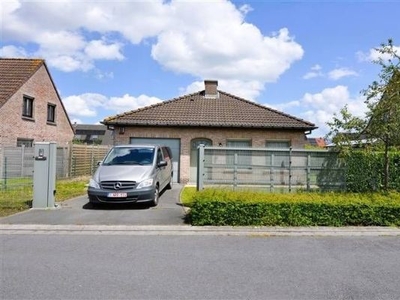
(17, 194)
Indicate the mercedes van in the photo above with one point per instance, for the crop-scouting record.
(132, 174)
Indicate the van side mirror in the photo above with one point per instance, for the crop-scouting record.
(99, 162)
(162, 163)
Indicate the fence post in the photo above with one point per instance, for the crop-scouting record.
(272, 173)
(200, 167)
(5, 172)
(235, 169)
(22, 159)
(308, 171)
(290, 169)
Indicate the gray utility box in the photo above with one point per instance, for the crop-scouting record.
(44, 175)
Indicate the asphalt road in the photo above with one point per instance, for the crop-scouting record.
(60, 266)
(79, 212)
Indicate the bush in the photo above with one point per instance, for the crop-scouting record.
(220, 207)
(364, 171)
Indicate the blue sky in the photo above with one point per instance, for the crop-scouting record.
(305, 58)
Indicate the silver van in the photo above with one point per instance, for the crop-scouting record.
(132, 174)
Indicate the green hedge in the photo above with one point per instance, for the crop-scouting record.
(364, 171)
(222, 207)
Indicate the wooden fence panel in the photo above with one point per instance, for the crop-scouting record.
(84, 158)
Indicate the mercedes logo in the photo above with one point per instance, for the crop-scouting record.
(117, 185)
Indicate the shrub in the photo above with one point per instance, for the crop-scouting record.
(220, 207)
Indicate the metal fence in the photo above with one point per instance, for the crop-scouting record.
(276, 170)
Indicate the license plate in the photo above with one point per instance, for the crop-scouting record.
(117, 195)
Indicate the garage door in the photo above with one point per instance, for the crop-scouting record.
(174, 144)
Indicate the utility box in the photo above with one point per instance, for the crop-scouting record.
(44, 175)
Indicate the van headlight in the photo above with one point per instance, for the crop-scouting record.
(94, 184)
(145, 183)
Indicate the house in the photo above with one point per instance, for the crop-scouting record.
(93, 134)
(209, 117)
(317, 142)
(31, 109)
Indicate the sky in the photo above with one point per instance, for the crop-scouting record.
(305, 58)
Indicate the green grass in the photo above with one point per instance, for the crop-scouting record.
(17, 194)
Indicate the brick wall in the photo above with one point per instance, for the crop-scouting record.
(13, 126)
(218, 136)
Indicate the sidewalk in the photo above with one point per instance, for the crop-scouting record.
(196, 230)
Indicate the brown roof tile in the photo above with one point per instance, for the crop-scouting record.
(196, 110)
(14, 73)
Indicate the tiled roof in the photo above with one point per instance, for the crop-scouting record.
(14, 73)
(226, 110)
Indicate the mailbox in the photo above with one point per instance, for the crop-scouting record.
(44, 175)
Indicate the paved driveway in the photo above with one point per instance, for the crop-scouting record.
(79, 211)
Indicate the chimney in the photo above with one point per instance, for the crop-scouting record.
(211, 88)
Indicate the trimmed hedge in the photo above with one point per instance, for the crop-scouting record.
(364, 171)
(223, 207)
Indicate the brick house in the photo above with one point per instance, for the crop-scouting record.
(210, 117)
(31, 109)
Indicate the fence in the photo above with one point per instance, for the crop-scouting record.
(16, 163)
(272, 169)
(84, 159)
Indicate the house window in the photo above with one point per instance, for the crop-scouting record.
(243, 157)
(51, 113)
(277, 144)
(27, 107)
(24, 142)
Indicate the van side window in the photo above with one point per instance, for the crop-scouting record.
(159, 156)
(167, 152)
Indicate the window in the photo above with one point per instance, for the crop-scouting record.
(27, 107)
(51, 113)
(243, 157)
(24, 142)
(277, 144)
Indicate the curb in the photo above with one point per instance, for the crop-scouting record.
(11, 229)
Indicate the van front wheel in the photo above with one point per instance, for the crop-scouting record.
(156, 196)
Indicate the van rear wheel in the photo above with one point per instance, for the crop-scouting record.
(156, 196)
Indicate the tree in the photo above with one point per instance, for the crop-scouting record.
(381, 124)
(383, 103)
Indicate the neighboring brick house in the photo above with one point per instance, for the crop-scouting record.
(31, 109)
(93, 134)
(210, 117)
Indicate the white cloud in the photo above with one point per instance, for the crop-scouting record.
(340, 73)
(97, 105)
(374, 55)
(319, 108)
(315, 72)
(99, 49)
(127, 102)
(84, 105)
(12, 51)
(248, 90)
(187, 37)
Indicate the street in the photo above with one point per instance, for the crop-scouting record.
(100, 266)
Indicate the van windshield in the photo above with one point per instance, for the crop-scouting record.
(129, 156)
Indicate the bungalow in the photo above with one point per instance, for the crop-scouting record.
(209, 117)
